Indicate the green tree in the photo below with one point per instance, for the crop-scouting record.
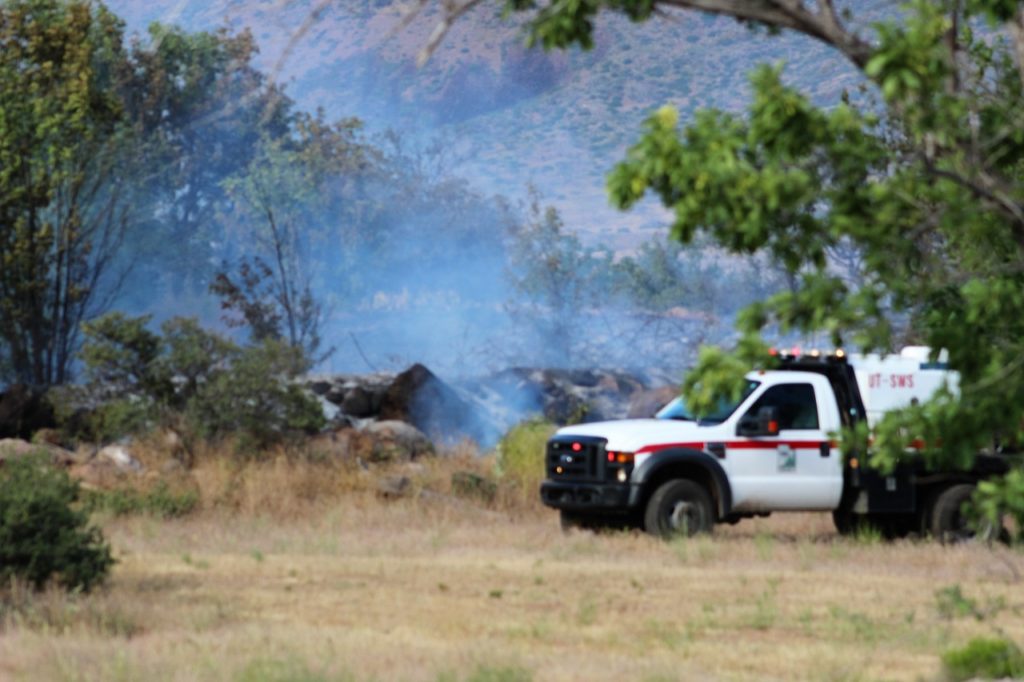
(62, 172)
(556, 279)
(280, 208)
(200, 110)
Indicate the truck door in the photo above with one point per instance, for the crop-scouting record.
(796, 469)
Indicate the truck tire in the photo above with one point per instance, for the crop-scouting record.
(948, 523)
(680, 507)
(846, 522)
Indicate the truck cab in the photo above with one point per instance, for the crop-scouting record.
(771, 449)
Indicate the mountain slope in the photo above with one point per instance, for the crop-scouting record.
(514, 116)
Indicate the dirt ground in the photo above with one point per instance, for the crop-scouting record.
(442, 589)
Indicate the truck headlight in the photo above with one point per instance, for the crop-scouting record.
(622, 475)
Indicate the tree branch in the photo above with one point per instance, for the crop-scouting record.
(984, 189)
(452, 11)
(823, 25)
(1017, 35)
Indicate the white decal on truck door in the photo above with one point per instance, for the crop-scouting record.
(786, 458)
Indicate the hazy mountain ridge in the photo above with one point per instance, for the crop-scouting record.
(559, 120)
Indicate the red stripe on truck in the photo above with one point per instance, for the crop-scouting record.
(739, 445)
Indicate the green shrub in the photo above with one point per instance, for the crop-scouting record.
(521, 453)
(161, 502)
(985, 658)
(43, 538)
(119, 418)
(223, 391)
(255, 401)
(289, 669)
(486, 673)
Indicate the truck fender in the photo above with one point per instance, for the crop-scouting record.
(662, 462)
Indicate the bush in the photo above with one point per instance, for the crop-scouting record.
(521, 453)
(223, 391)
(43, 538)
(985, 658)
(255, 401)
(161, 501)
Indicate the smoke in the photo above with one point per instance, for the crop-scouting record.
(413, 264)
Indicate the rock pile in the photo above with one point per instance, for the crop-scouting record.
(374, 418)
(484, 408)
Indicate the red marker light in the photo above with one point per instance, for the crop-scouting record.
(576, 447)
(611, 456)
(773, 352)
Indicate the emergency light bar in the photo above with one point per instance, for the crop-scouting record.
(796, 353)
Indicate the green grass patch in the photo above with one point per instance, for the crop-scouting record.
(986, 658)
(160, 501)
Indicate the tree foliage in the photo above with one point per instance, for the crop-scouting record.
(62, 214)
(201, 112)
(922, 178)
(557, 280)
(279, 201)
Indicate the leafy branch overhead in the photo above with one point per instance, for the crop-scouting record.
(919, 173)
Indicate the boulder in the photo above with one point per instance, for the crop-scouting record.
(391, 441)
(23, 411)
(358, 402)
(646, 403)
(99, 474)
(319, 387)
(120, 457)
(394, 487)
(418, 397)
(16, 447)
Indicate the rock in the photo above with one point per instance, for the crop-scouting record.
(334, 444)
(15, 447)
(417, 396)
(583, 377)
(120, 456)
(99, 474)
(562, 407)
(23, 411)
(331, 410)
(48, 437)
(394, 487)
(646, 403)
(391, 441)
(335, 394)
(319, 387)
(358, 402)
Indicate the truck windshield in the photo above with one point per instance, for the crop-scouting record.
(677, 409)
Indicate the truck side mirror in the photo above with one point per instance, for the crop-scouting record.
(764, 423)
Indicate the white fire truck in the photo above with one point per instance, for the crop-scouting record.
(772, 450)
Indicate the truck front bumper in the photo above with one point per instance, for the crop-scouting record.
(608, 497)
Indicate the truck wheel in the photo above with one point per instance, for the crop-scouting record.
(948, 522)
(846, 522)
(679, 507)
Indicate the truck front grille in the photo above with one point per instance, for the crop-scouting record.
(579, 458)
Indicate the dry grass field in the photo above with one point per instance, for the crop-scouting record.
(302, 572)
